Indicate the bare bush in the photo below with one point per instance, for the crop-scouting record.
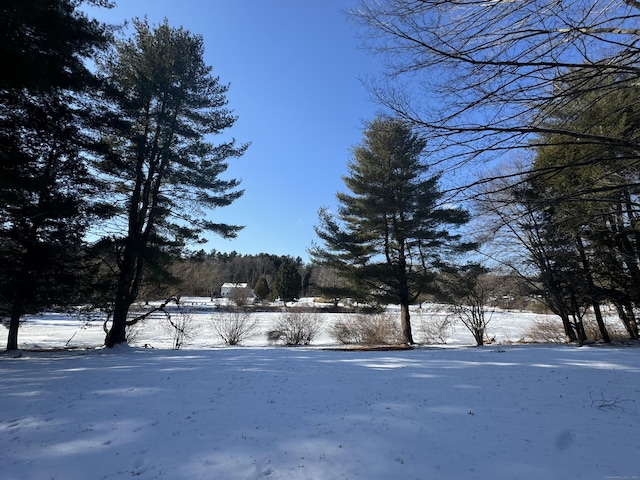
(547, 330)
(241, 296)
(469, 292)
(367, 329)
(593, 331)
(475, 318)
(181, 327)
(132, 332)
(295, 327)
(234, 326)
(435, 327)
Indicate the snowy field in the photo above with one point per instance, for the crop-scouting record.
(58, 330)
(265, 412)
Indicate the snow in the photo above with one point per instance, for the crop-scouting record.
(265, 412)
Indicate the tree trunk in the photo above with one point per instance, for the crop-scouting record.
(577, 320)
(601, 325)
(125, 296)
(14, 324)
(569, 332)
(18, 307)
(479, 336)
(405, 323)
(625, 312)
(118, 331)
(561, 311)
(633, 324)
(592, 290)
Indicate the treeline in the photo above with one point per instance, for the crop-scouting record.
(202, 274)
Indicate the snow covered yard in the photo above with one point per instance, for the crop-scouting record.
(497, 412)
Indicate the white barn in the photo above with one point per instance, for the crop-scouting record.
(227, 288)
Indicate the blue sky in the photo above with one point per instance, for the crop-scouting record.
(295, 70)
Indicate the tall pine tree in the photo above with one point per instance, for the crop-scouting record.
(46, 188)
(390, 235)
(165, 172)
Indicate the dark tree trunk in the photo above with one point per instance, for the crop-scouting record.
(596, 306)
(601, 325)
(405, 323)
(128, 284)
(20, 299)
(569, 331)
(118, 331)
(14, 324)
(625, 312)
(559, 309)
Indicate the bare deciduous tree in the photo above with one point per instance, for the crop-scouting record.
(469, 297)
(479, 76)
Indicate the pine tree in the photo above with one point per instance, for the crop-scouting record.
(47, 191)
(261, 288)
(390, 235)
(590, 189)
(164, 170)
(288, 282)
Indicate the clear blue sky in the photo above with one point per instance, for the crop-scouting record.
(295, 70)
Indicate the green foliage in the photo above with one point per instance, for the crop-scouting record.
(161, 159)
(47, 190)
(583, 199)
(288, 282)
(163, 169)
(390, 234)
(44, 44)
(261, 288)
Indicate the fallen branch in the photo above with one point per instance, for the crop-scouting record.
(139, 318)
(609, 403)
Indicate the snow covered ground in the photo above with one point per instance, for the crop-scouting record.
(266, 412)
(57, 330)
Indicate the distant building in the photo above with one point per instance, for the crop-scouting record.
(227, 289)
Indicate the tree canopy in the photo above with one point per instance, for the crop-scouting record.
(478, 77)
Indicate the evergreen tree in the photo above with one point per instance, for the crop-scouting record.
(588, 191)
(261, 288)
(288, 282)
(390, 235)
(164, 170)
(46, 187)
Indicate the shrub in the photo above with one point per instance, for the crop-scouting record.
(436, 327)
(234, 326)
(181, 326)
(240, 296)
(295, 327)
(547, 330)
(366, 329)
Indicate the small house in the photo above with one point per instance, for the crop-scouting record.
(227, 289)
